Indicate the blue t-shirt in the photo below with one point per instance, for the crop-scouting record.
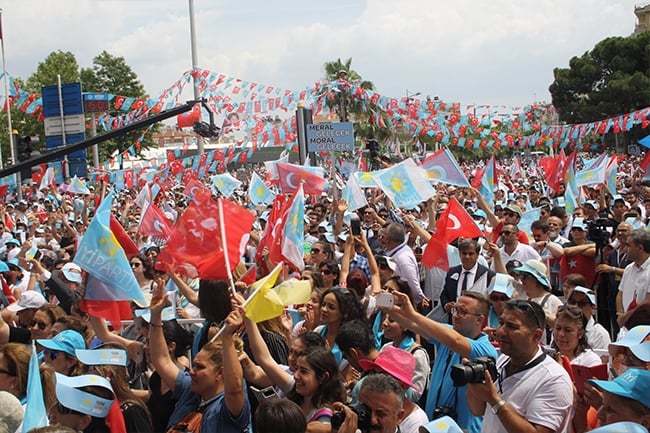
(449, 394)
(216, 418)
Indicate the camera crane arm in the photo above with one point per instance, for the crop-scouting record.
(140, 124)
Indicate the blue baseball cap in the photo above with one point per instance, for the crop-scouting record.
(443, 424)
(621, 427)
(632, 384)
(635, 340)
(537, 269)
(70, 396)
(502, 283)
(67, 341)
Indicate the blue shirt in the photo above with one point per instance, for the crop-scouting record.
(449, 394)
(216, 417)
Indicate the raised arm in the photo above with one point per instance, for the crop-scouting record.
(233, 383)
(263, 357)
(158, 350)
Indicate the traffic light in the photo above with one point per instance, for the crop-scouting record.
(23, 147)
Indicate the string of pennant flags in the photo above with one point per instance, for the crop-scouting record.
(480, 126)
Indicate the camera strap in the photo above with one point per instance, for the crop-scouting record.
(528, 366)
(448, 365)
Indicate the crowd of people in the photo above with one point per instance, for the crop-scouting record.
(539, 326)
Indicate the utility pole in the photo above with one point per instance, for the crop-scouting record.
(195, 64)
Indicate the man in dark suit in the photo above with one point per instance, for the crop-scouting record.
(468, 276)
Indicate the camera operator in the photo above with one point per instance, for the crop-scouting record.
(533, 393)
(462, 340)
(382, 397)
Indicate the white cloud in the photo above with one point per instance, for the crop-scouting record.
(497, 52)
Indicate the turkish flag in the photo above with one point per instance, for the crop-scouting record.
(130, 248)
(578, 264)
(271, 238)
(454, 222)
(155, 223)
(291, 175)
(196, 247)
(188, 119)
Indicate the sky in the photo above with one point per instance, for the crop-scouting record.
(497, 52)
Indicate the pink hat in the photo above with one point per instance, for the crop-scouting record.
(393, 361)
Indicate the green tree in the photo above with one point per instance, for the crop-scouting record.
(110, 74)
(611, 79)
(364, 115)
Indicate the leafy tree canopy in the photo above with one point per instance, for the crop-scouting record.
(611, 79)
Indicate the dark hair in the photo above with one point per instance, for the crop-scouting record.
(327, 372)
(147, 265)
(333, 266)
(540, 225)
(575, 315)
(355, 334)
(279, 415)
(639, 316)
(348, 301)
(466, 244)
(575, 279)
(316, 276)
(214, 299)
(325, 248)
(174, 332)
(534, 316)
(311, 339)
(559, 212)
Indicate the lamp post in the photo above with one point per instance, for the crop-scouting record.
(195, 63)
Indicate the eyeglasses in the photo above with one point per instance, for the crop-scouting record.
(7, 372)
(135, 265)
(580, 304)
(526, 308)
(510, 214)
(506, 232)
(53, 354)
(498, 298)
(462, 312)
(315, 251)
(41, 325)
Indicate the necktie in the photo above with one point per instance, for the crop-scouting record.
(465, 277)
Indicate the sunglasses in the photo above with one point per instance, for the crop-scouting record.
(7, 372)
(53, 354)
(325, 271)
(573, 310)
(580, 304)
(510, 214)
(506, 232)
(40, 325)
(315, 251)
(135, 265)
(498, 298)
(383, 266)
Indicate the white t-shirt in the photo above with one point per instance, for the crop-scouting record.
(412, 423)
(588, 358)
(542, 394)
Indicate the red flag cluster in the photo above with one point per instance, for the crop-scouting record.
(453, 223)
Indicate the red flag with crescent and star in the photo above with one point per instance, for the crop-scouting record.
(454, 222)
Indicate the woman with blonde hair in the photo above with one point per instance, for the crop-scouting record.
(14, 368)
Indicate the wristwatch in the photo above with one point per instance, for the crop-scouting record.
(497, 406)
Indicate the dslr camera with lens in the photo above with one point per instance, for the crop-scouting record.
(363, 417)
(474, 371)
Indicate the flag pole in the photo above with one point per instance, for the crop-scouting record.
(224, 247)
(6, 80)
(246, 302)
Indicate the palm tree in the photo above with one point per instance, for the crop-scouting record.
(350, 108)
